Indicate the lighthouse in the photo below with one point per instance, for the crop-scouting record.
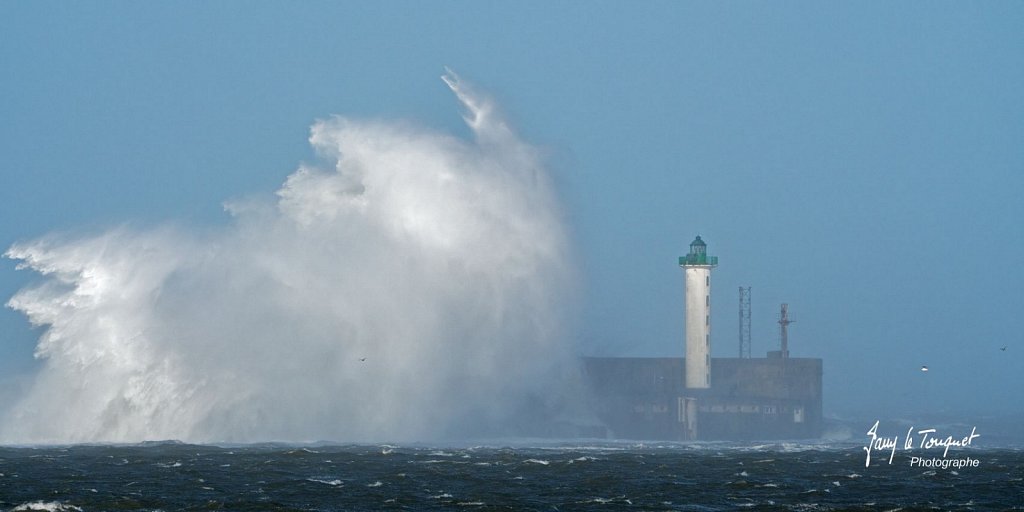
(697, 265)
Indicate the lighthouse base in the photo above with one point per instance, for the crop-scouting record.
(770, 398)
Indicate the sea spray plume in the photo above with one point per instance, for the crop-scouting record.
(412, 292)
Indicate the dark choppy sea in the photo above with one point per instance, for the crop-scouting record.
(592, 476)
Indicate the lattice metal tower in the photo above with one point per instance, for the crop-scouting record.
(744, 322)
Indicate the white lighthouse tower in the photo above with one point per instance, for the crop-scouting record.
(697, 266)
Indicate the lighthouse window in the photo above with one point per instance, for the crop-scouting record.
(707, 319)
(707, 340)
(707, 300)
(707, 280)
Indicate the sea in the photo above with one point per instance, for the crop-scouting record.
(517, 475)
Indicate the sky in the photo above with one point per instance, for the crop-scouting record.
(862, 162)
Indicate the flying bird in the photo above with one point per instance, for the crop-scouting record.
(924, 368)
(1004, 348)
(362, 359)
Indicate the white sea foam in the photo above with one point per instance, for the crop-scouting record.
(49, 506)
(390, 292)
(333, 483)
(605, 501)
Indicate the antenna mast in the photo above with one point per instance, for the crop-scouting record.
(784, 321)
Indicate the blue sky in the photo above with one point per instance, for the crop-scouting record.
(862, 162)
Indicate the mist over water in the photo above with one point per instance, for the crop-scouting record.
(409, 288)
